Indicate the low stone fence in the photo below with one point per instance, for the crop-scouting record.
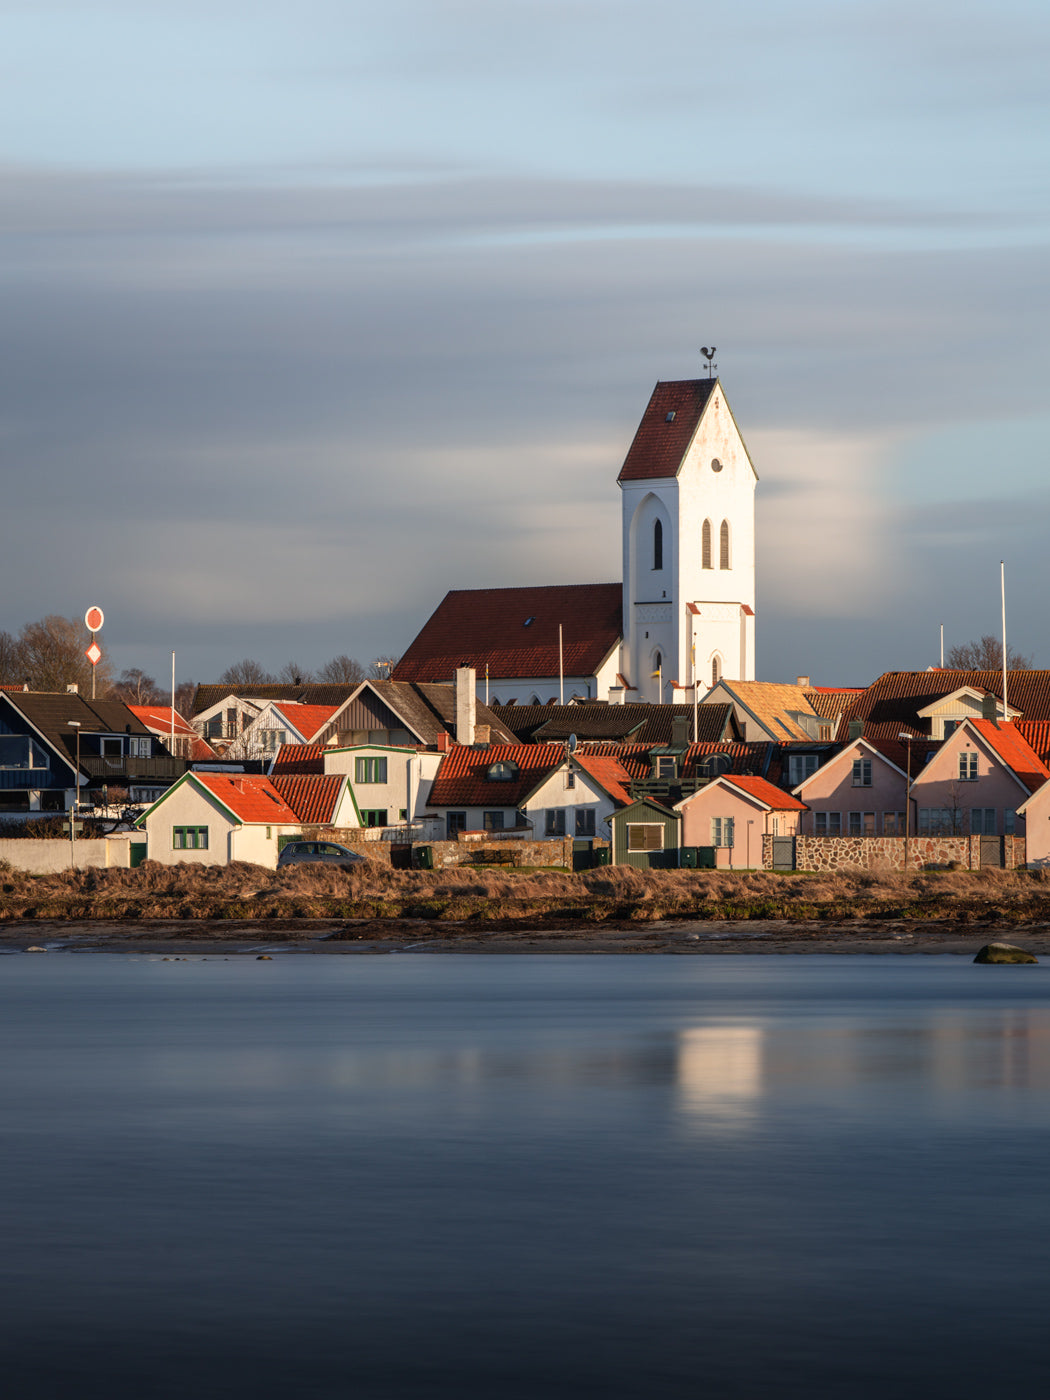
(48, 857)
(888, 852)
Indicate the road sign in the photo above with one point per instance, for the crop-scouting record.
(93, 619)
(94, 653)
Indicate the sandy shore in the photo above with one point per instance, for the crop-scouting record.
(223, 939)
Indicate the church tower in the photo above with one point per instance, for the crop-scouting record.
(688, 505)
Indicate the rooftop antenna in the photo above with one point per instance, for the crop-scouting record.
(709, 356)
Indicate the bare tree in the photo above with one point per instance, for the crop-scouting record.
(51, 656)
(246, 672)
(341, 670)
(381, 667)
(184, 695)
(9, 661)
(136, 688)
(294, 674)
(986, 655)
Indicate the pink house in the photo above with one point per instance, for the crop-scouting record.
(860, 792)
(977, 782)
(733, 813)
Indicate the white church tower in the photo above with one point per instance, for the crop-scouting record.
(688, 546)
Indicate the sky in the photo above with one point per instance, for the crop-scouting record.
(313, 312)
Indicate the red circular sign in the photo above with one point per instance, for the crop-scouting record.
(93, 619)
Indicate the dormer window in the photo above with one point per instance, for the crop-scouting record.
(502, 772)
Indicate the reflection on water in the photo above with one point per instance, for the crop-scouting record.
(522, 1176)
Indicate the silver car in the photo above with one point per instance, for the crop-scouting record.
(324, 852)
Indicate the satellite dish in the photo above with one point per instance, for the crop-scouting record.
(573, 743)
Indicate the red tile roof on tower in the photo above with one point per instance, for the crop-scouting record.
(666, 430)
(313, 799)
(514, 631)
(1014, 750)
(249, 797)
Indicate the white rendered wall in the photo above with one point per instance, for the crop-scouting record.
(655, 600)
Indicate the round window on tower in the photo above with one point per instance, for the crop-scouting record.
(716, 465)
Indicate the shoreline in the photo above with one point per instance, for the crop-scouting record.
(207, 937)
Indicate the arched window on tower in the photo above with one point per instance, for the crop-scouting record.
(723, 546)
(716, 670)
(705, 546)
(658, 545)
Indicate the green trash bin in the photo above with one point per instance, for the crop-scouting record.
(426, 857)
(688, 858)
(602, 855)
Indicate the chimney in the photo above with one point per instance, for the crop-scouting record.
(483, 735)
(466, 705)
(989, 707)
(856, 729)
(802, 682)
(443, 741)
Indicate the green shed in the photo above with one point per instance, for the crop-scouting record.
(646, 834)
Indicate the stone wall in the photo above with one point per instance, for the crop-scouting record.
(887, 852)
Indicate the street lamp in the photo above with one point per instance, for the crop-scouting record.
(74, 724)
(906, 739)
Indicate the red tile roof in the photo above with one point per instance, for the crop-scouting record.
(313, 799)
(1014, 750)
(765, 793)
(297, 758)
(608, 773)
(515, 632)
(249, 797)
(307, 719)
(157, 718)
(462, 779)
(1036, 733)
(666, 430)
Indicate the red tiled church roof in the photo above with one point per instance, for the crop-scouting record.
(666, 430)
(514, 631)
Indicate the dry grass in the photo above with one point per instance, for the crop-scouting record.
(619, 894)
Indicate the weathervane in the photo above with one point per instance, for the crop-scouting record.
(709, 356)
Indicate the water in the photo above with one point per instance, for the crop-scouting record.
(523, 1176)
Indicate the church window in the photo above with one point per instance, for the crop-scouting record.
(723, 545)
(658, 545)
(705, 546)
(716, 671)
(716, 465)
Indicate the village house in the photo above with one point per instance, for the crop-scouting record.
(860, 791)
(733, 813)
(976, 782)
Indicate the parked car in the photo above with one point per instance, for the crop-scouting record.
(327, 852)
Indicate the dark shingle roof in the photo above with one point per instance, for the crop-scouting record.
(893, 702)
(639, 724)
(50, 713)
(662, 441)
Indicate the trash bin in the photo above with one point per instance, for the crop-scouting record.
(426, 857)
(602, 855)
(705, 857)
(688, 858)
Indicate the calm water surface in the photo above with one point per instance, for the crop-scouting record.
(523, 1176)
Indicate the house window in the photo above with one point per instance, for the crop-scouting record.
(370, 770)
(982, 821)
(584, 821)
(968, 766)
(139, 746)
(455, 822)
(570, 779)
(111, 748)
(827, 823)
(375, 816)
(17, 751)
(189, 838)
(862, 823)
(270, 739)
(936, 821)
(666, 767)
(1009, 821)
(555, 823)
(862, 772)
(800, 767)
(723, 545)
(658, 545)
(705, 546)
(503, 771)
(645, 836)
(893, 823)
(721, 831)
(493, 821)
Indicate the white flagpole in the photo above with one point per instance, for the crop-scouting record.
(1002, 588)
(173, 702)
